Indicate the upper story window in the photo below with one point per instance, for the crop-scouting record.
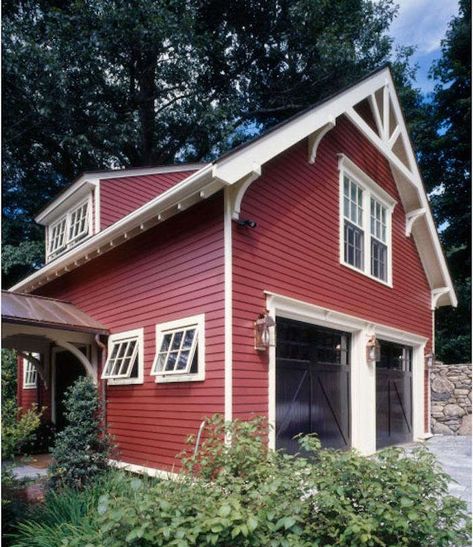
(366, 211)
(180, 350)
(30, 373)
(124, 363)
(69, 229)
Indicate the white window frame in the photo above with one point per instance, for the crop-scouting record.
(137, 334)
(370, 190)
(67, 217)
(197, 321)
(29, 370)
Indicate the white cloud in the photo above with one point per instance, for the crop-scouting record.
(423, 23)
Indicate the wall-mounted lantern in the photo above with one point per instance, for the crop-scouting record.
(373, 350)
(429, 360)
(262, 331)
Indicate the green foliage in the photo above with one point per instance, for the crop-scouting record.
(96, 84)
(242, 494)
(18, 428)
(81, 450)
(9, 379)
(446, 164)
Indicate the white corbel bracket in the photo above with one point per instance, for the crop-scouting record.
(411, 217)
(317, 136)
(239, 189)
(436, 294)
(38, 365)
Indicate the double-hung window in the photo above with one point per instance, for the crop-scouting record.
(30, 373)
(124, 363)
(365, 229)
(69, 229)
(180, 350)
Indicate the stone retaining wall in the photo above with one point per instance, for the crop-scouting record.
(451, 399)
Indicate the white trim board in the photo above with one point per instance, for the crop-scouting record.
(93, 178)
(228, 298)
(144, 470)
(362, 375)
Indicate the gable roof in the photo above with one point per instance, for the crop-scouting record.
(385, 128)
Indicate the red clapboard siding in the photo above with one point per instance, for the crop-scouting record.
(294, 251)
(171, 271)
(122, 195)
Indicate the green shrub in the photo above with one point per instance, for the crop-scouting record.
(18, 428)
(82, 449)
(242, 494)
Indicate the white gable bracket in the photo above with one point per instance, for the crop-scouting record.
(436, 294)
(411, 217)
(238, 191)
(316, 137)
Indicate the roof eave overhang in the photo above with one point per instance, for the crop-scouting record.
(237, 166)
(55, 326)
(196, 187)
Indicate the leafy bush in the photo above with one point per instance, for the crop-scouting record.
(18, 428)
(82, 449)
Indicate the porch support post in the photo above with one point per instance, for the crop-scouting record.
(91, 371)
(363, 395)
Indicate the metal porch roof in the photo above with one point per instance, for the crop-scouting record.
(28, 309)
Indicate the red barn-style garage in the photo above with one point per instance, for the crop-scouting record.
(295, 277)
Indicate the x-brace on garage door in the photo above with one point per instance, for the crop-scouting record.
(312, 384)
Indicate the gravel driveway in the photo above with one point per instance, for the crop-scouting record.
(454, 454)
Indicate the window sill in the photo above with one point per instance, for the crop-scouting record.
(365, 274)
(125, 382)
(171, 378)
(30, 387)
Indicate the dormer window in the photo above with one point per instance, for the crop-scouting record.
(69, 229)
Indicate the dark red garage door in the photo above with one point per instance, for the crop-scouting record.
(312, 384)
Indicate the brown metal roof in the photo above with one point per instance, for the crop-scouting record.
(39, 311)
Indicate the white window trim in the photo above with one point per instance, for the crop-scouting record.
(370, 190)
(26, 365)
(139, 335)
(161, 329)
(69, 243)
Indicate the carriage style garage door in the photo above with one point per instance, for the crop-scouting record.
(393, 395)
(312, 384)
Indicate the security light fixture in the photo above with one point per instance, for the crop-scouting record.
(247, 223)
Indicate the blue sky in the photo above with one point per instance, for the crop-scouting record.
(423, 23)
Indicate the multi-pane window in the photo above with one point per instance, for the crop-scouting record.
(179, 350)
(69, 229)
(30, 373)
(353, 223)
(124, 360)
(79, 222)
(379, 249)
(365, 223)
(57, 237)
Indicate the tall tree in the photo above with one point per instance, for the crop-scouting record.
(91, 84)
(446, 163)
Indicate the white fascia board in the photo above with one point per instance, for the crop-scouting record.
(234, 167)
(67, 199)
(423, 198)
(150, 210)
(93, 178)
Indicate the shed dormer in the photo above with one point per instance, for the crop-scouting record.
(69, 219)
